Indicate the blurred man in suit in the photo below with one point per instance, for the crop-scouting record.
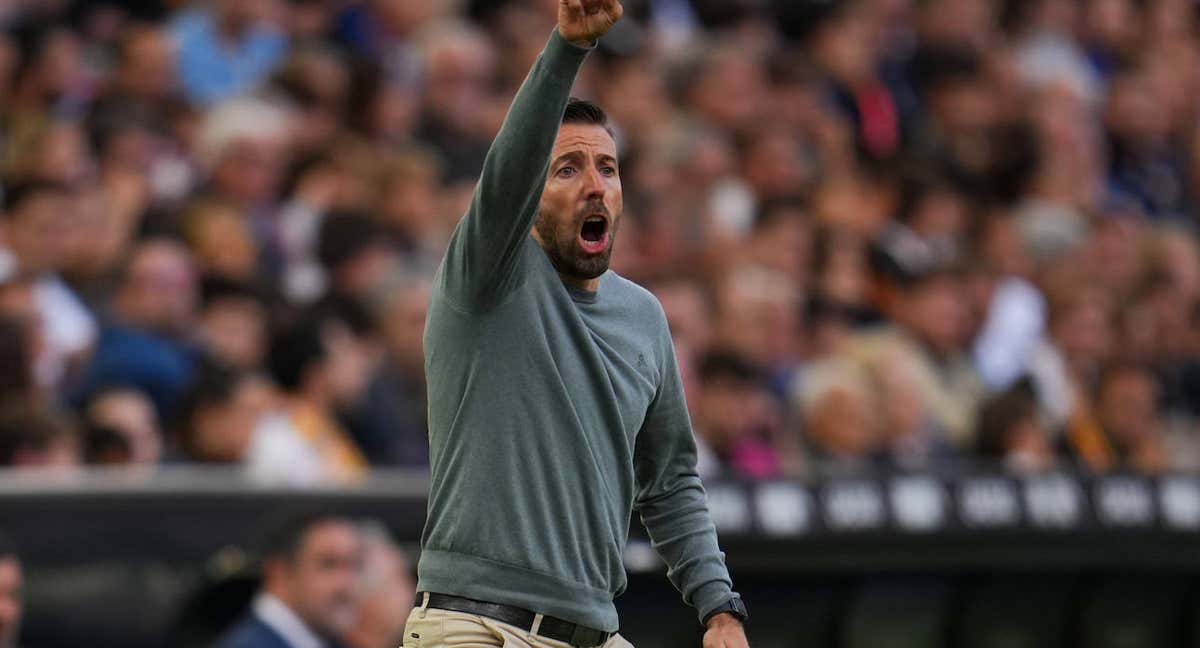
(310, 586)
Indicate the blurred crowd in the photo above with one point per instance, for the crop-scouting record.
(887, 234)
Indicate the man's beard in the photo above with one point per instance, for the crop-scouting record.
(564, 252)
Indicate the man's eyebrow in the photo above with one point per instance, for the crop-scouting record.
(605, 157)
(570, 155)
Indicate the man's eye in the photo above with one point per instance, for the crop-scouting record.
(608, 171)
(566, 172)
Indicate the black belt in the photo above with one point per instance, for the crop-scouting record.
(551, 628)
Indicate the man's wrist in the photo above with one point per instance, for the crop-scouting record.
(723, 619)
(732, 610)
(582, 44)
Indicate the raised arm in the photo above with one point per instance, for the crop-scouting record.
(481, 259)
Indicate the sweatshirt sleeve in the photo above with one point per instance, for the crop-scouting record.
(671, 500)
(482, 257)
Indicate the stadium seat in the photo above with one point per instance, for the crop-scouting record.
(898, 614)
(1016, 613)
(1140, 612)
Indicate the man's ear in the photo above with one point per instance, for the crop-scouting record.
(274, 571)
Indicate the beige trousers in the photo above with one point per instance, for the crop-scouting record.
(434, 628)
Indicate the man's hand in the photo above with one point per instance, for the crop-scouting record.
(584, 21)
(725, 631)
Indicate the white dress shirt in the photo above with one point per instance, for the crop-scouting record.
(280, 618)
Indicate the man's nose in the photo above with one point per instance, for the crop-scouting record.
(593, 183)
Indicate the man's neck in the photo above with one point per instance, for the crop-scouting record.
(579, 283)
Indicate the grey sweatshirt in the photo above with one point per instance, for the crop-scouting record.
(553, 412)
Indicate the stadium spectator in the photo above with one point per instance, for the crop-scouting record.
(839, 419)
(218, 416)
(147, 341)
(910, 439)
(39, 438)
(220, 240)
(234, 323)
(36, 228)
(311, 569)
(320, 364)
(1009, 431)
(226, 48)
(735, 427)
(1046, 151)
(129, 415)
(12, 594)
(389, 422)
(1127, 398)
(355, 255)
(929, 311)
(386, 595)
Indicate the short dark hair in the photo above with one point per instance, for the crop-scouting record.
(284, 538)
(8, 548)
(213, 383)
(295, 350)
(21, 191)
(582, 111)
(344, 235)
(729, 365)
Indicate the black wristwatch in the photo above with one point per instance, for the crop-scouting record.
(734, 606)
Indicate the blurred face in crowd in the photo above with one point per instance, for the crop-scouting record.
(843, 46)
(1027, 446)
(387, 594)
(320, 583)
(12, 604)
(221, 432)
(131, 414)
(1113, 24)
(839, 423)
(404, 326)
(38, 231)
(1179, 257)
(458, 72)
(59, 66)
(723, 408)
(238, 15)
(774, 164)
(785, 243)
(234, 330)
(347, 366)
(1083, 330)
(61, 154)
(731, 91)
(147, 64)
(842, 277)
(901, 404)
(937, 311)
(1128, 407)
(689, 314)
(222, 242)
(410, 198)
(159, 291)
(581, 204)
(1134, 111)
(249, 169)
(402, 17)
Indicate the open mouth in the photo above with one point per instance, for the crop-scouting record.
(593, 234)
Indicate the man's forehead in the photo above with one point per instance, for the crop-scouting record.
(592, 139)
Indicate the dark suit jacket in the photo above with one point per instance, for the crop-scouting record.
(252, 633)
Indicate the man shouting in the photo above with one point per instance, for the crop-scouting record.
(555, 403)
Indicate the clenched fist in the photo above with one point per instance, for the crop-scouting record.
(584, 21)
